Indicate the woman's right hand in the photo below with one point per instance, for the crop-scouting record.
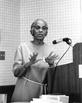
(32, 60)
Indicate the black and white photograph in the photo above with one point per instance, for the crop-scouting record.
(40, 51)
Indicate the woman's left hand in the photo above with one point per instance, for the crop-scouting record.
(51, 58)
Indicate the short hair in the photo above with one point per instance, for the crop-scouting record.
(35, 23)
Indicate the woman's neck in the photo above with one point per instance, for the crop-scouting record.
(38, 42)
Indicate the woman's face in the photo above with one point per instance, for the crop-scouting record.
(40, 30)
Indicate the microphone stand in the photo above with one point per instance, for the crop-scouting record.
(63, 55)
(54, 71)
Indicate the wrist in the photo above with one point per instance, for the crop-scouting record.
(27, 65)
(51, 65)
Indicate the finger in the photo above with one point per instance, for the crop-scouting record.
(31, 55)
(54, 56)
(29, 58)
(52, 59)
(35, 54)
(33, 58)
(50, 53)
(37, 61)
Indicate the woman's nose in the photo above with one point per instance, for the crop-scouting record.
(40, 29)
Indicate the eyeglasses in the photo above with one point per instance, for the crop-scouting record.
(43, 27)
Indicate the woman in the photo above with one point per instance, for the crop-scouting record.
(31, 63)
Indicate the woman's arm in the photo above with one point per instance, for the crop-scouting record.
(20, 68)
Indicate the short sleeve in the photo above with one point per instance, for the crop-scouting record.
(18, 60)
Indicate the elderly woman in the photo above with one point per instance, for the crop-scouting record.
(31, 63)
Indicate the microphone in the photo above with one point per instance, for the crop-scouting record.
(67, 40)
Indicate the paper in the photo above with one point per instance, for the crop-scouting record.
(80, 70)
(51, 99)
(3, 98)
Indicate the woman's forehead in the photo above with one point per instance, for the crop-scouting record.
(40, 23)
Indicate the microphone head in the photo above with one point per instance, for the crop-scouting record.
(67, 40)
(54, 42)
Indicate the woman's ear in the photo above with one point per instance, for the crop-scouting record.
(32, 32)
(46, 33)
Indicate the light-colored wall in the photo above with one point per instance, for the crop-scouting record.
(16, 16)
(63, 18)
(81, 20)
(9, 37)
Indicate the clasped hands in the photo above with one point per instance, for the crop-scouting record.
(50, 59)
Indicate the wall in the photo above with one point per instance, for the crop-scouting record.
(16, 16)
(81, 20)
(9, 37)
(62, 16)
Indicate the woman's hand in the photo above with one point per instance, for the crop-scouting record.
(51, 58)
(32, 60)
